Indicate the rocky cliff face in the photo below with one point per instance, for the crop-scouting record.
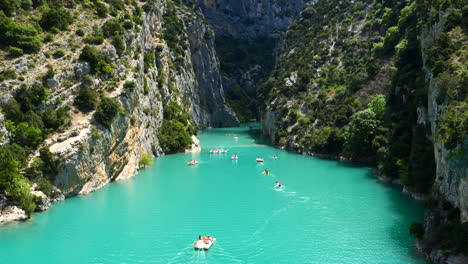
(247, 35)
(94, 161)
(451, 181)
(251, 18)
(93, 154)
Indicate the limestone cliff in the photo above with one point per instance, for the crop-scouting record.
(183, 72)
(251, 18)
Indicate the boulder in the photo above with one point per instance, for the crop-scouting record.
(12, 213)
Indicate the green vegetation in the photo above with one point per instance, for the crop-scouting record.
(149, 59)
(359, 92)
(56, 18)
(146, 160)
(98, 62)
(19, 35)
(177, 129)
(107, 110)
(87, 99)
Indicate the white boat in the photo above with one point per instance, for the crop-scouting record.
(200, 245)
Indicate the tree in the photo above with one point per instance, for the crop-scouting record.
(87, 99)
(377, 105)
(107, 110)
(174, 136)
(56, 18)
(145, 160)
(26, 135)
(362, 130)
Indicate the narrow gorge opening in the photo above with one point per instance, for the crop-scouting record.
(247, 39)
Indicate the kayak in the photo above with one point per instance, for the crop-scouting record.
(199, 245)
(192, 162)
(259, 159)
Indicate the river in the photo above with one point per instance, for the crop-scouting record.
(327, 212)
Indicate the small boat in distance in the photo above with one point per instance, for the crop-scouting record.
(259, 159)
(204, 243)
(192, 162)
(234, 156)
(218, 151)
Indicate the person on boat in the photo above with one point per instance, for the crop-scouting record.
(275, 157)
(200, 239)
(278, 184)
(266, 172)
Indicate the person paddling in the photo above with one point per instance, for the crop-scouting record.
(266, 172)
(278, 184)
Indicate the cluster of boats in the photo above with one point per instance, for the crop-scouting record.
(218, 151)
(234, 157)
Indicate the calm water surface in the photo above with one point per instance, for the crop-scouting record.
(329, 213)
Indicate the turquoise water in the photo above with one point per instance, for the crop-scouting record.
(328, 212)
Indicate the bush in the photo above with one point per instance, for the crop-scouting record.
(454, 125)
(149, 59)
(56, 119)
(129, 87)
(119, 44)
(361, 132)
(59, 53)
(146, 160)
(87, 99)
(8, 74)
(15, 52)
(102, 9)
(80, 32)
(377, 105)
(107, 110)
(19, 35)
(26, 135)
(51, 165)
(56, 18)
(174, 136)
(44, 186)
(31, 97)
(112, 27)
(95, 59)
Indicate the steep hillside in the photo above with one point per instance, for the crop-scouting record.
(247, 34)
(383, 82)
(90, 91)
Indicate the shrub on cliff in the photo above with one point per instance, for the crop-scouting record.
(87, 99)
(145, 160)
(19, 35)
(174, 136)
(112, 27)
(56, 18)
(107, 110)
(97, 61)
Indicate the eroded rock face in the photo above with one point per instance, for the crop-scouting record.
(249, 19)
(451, 181)
(43, 203)
(94, 156)
(12, 213)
